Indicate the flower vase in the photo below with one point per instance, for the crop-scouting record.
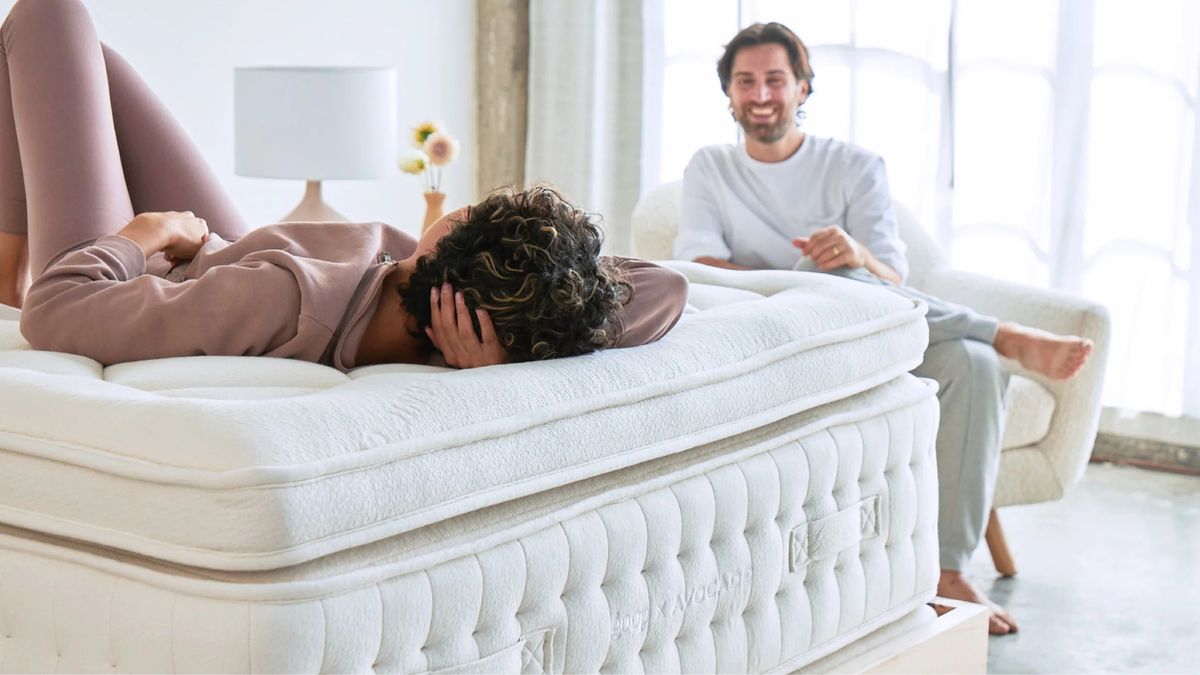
(434, 203)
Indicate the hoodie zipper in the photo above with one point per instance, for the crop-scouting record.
(387, 266)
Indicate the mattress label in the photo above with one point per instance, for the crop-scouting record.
(638, 621)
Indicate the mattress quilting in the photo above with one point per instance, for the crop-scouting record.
(271, 463)
(760, 552)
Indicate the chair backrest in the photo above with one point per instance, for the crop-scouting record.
(924, 254)
(655, 222)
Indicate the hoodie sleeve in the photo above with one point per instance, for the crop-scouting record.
(98, 302)
(659, 296)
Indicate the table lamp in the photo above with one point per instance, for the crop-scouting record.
(315, 124)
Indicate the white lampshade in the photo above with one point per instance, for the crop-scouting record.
(314, 123)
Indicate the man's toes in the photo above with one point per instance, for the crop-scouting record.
(1071, 367)
(1007, 619)
(1081, 350)
(997, 626)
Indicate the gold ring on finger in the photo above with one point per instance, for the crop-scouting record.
(836, 251)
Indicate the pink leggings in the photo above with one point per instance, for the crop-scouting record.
(84, 144)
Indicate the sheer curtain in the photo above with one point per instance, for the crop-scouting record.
(585, 97)
(1048, 143)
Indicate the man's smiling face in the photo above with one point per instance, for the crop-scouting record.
(764, 93)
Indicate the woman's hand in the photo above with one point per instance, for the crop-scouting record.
(454, 336)
(178, 235)
(831, 247)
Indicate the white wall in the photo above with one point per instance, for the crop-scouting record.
(186, 51)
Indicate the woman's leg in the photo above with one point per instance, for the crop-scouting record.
(14, 244)
(14, 268)
(164, 170)
(95, 145)
(66, 158)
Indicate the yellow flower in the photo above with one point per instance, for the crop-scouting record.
(424, 130)
(414, 162)
(441, 148)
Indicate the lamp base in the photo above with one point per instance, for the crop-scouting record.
(312, 209)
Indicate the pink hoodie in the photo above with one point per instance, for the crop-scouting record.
(291, 290)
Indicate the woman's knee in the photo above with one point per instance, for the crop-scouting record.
(44, 16)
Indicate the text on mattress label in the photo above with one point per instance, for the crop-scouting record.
(638, 621)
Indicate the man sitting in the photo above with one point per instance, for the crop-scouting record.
(785, 199)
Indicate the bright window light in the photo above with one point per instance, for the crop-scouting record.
(1054, 145)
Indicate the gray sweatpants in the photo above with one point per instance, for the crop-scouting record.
(972, 393)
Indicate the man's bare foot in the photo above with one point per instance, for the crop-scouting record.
(955, 586)
(1058, 357)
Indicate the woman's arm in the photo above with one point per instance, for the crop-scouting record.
(178, 235)
(98, 302)
(659, 296)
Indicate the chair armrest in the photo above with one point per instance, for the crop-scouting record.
(1068, 444)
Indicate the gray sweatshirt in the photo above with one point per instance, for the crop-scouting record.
(292, 290)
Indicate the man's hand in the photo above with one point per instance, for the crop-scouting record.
(178, 235)
(454, 336)
(831, 247)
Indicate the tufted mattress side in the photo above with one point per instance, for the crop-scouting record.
(257, 463)
(756, 553)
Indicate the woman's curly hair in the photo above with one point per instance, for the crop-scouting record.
(533, 262)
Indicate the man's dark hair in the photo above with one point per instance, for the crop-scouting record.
(533, 262)
(766, 34)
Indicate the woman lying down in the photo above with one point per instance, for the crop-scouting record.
(516, 277)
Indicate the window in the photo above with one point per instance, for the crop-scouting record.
(1046, 143)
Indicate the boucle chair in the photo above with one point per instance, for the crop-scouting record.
(1051, 425)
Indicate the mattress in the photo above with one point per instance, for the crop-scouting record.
(754, 492)
(764, 551)
(241, 464)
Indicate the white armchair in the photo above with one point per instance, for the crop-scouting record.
(1051, 425)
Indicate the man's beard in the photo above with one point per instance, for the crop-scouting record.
(765, 133)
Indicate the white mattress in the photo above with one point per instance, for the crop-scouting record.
(258, 464)
(761, 552)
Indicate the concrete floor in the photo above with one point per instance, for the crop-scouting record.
(1109, 577)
